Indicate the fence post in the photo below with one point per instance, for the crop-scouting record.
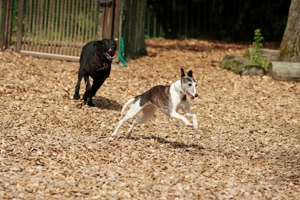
(107, 19)
(117, 25)
(6, 24)
(1, 31)
(20, 25)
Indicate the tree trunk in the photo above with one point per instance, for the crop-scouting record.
(290, 44)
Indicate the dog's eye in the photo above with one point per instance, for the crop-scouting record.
(190, 84)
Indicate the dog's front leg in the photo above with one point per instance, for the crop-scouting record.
(175, 115)
(195, 121)
(88, 90)
(186, 109)
(96, 85)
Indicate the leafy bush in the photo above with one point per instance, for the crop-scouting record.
(257, 45)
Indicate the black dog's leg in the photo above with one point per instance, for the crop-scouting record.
(77, 87)
(87, 93)
(95, 87)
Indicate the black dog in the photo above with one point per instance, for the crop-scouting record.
(95, 61)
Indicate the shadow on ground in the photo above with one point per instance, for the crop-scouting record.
(105, 103)
(172, 143)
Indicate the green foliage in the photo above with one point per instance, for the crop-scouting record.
(14, 15)
(258, 38)
(257, 45)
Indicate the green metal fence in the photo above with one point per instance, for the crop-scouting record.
(133, 28)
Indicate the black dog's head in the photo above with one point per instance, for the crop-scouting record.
(106, 48)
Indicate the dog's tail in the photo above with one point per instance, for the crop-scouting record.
(126, 105)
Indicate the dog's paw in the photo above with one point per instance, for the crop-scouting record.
(195, 125)
(112, 138)
(128, 133)
(189, 125)
(85, 97)
(91, 104)
(76, 97)
(195, 122)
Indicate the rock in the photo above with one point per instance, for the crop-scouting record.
(253, 70)
(241, 65)
(266, 54)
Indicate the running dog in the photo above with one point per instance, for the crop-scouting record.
(95, 61)
(167, 99)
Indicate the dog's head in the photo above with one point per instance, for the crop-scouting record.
(106, 48)
(188, 84)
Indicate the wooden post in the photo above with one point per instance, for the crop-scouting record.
(109, 14)
(101, 22)
(6, 24)
(1, 17)
(108, 21)
(20, 25)
(3, 24)
(117, 19)
(117, 28)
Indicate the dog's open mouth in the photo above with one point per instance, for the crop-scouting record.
(191, 96)
(110, 55)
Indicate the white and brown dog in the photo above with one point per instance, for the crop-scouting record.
(168, 99)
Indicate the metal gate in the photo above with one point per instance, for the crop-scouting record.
(59, 28)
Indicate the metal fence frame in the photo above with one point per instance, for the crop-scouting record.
(59, 28)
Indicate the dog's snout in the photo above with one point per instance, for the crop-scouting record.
(196, 95)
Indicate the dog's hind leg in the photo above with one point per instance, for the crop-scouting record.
(148, 112)
(134, 109)
(77, 87)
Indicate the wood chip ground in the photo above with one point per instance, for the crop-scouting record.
(54, 147)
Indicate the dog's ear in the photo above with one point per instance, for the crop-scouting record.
(98, 43)
(190, 73)
(182, 73)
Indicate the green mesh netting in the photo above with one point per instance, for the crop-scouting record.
(133, 28)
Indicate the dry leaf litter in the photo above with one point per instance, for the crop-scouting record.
(54, 147)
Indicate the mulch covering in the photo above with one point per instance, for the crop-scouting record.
(54, 147)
